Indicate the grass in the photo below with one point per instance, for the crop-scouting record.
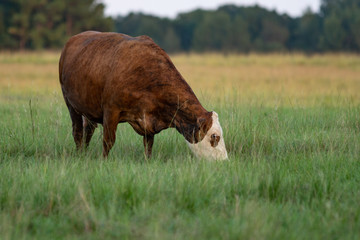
(291, 126)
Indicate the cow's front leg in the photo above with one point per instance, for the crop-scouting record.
(148, 143)
(110, 122)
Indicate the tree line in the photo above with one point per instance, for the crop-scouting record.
(38, 24)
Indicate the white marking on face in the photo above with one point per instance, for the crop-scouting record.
(204, 149)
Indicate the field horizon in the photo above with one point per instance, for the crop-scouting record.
(292, 130)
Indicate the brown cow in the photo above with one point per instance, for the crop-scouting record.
(109, 78)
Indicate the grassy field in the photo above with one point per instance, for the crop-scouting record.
(292, 130)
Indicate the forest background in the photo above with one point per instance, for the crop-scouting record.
(47, 24)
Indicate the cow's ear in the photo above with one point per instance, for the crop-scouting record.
(204, 124)
(200, 122)
(200, 126)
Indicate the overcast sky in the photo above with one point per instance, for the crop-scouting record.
(168, 8)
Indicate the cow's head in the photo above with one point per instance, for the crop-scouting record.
(212, 145)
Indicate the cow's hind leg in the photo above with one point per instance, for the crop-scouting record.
(77, 126)
(89, 128)
(110, 123)
(148, 141)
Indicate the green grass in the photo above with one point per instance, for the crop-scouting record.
(293, 173)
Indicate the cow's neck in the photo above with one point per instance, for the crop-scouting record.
(186, 117)
(184, 108)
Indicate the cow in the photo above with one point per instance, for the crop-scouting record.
(111, 78)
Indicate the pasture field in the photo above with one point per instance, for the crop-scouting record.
(292, 129)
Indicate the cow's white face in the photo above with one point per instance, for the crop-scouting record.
(212, 146)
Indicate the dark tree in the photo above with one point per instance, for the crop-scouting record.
(37, 24)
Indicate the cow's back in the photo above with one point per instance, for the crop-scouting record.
(95, 68)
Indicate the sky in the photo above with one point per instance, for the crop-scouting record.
(168, 8)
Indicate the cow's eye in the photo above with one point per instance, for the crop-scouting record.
(214, 140)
